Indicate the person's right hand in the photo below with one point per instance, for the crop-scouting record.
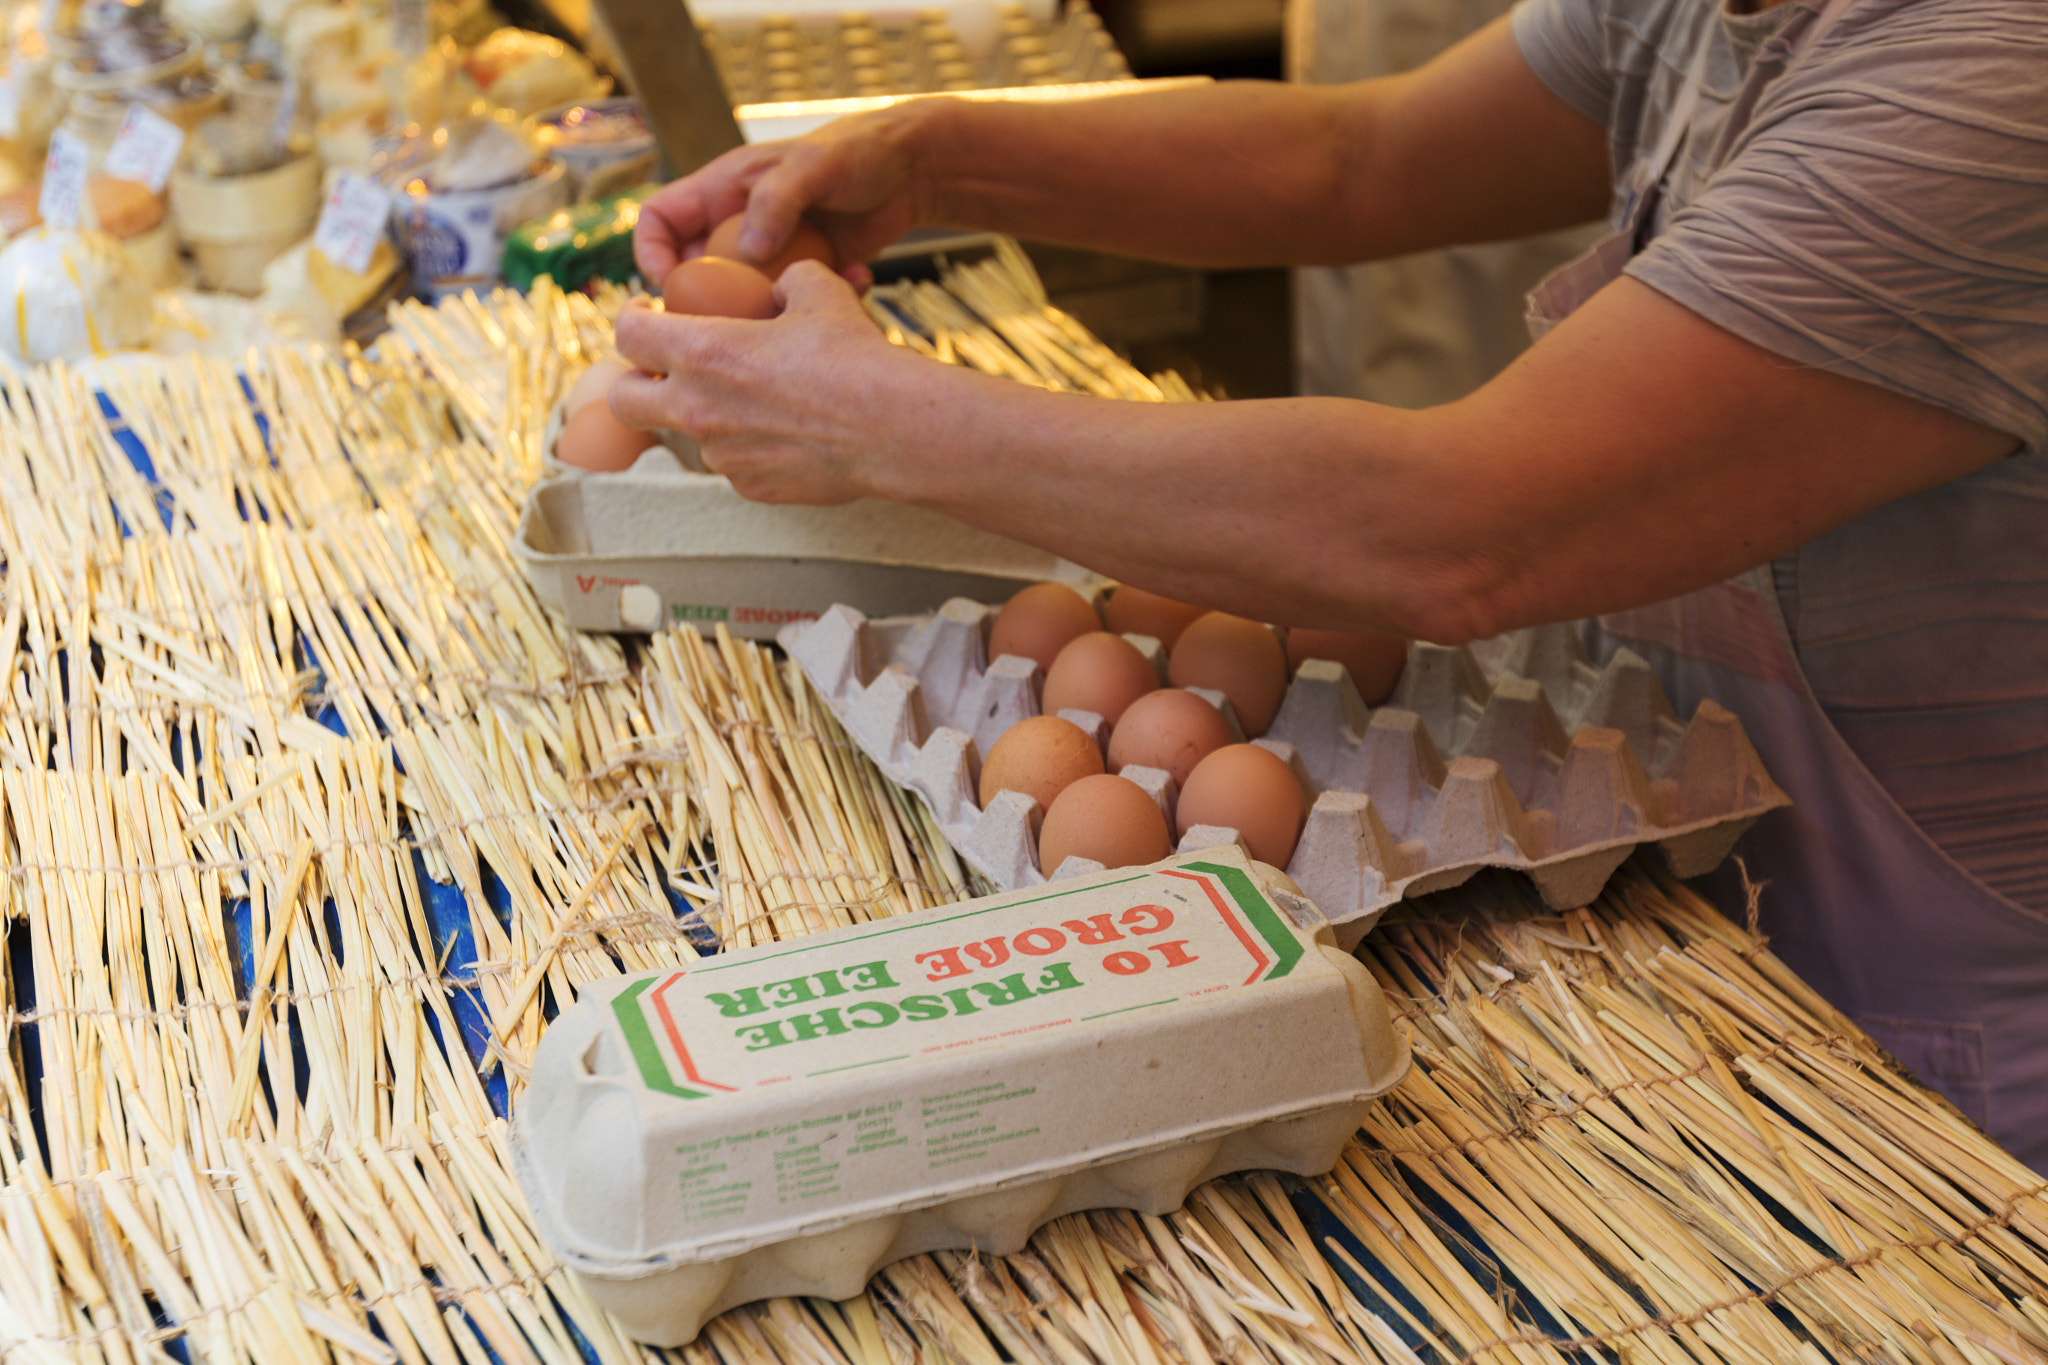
(853, 179)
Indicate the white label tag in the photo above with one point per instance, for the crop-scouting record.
(63, 180)
(354, 217)
(146, 149)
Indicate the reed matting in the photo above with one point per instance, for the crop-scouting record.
(311, 816)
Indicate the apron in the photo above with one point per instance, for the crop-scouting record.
(1948, 975)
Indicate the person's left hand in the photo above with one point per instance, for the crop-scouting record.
(787, 408)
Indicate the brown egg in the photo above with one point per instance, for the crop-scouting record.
(1239, 658)
(714, 287)
(1133, 611)
(596, 378)
(594, 439)
(1039, 621)
(1169, 729)
(1250, 790)
(1374, 660)
(805, 244)
(1098, 672)
(1039, 757)
(1108, 818)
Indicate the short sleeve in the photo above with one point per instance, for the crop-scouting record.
(1561, 41)
(1885, 214)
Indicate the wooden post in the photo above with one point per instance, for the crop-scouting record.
(674, 79)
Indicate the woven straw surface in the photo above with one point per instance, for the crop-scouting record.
(311, 817)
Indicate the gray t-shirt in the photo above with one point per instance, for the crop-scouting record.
(1882, 213)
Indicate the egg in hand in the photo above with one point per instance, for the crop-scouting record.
(718, 287)
(806, 243)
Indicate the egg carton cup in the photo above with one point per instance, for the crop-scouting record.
(1519, 753)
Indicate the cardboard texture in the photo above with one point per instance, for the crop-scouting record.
(661, 544)
(1533, 760)
(788, 1119)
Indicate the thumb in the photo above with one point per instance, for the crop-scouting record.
(813, 287)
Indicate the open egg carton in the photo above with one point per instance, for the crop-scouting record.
(1520, 754)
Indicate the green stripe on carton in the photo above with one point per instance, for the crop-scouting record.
(1264, 918)
(647, 1054)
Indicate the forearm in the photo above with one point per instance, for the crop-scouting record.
(1217, 175)
(1305, 511)
(1470, 148)
(1638, 453)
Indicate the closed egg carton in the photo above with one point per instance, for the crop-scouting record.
(1519, 754)
(786, 1119)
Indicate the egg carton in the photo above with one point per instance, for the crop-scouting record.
(787, 1119)
(1520, 753)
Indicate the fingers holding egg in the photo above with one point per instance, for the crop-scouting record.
(806, 243)
(593, 438)
(594, 382)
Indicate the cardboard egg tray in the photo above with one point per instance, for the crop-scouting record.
(664, 543)
(1535, 760)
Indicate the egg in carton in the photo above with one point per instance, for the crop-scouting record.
(1535, 759)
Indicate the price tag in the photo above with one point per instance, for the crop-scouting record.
(351, 221)
(146, 149)
(64, 171)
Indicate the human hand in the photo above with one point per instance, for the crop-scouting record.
(791, 409)
(852, 179)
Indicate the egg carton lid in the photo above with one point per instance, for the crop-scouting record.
(1520, 754)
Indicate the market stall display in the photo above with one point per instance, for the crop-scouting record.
(315, 814)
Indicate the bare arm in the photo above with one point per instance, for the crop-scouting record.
(1471, 147)
(1636, 452)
